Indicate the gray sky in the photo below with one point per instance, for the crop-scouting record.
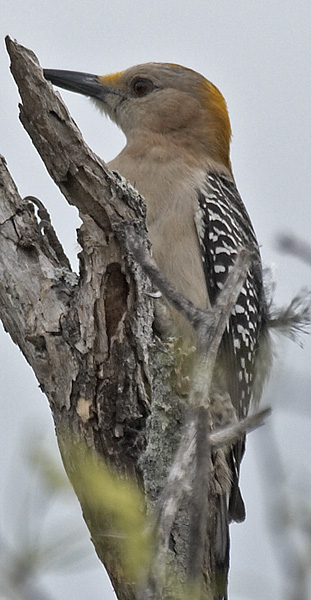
(258, 54)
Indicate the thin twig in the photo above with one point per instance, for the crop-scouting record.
(45, 223)
(208, 324)
(226, 436)
(200, 496)
(295, 246)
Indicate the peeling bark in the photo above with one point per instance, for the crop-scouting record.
(88, 338)
(90, 342)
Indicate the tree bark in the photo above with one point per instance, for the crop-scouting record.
(109, 380)
(89, 338)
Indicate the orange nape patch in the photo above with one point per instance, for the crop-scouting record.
(111, 80)
(213, 100)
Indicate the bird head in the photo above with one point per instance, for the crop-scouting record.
(156, 101)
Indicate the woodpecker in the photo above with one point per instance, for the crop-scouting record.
(177, 154)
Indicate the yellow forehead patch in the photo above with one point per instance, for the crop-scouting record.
(111, 80)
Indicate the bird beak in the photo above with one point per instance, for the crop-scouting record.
(82, 83)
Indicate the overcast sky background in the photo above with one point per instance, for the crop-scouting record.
(258, 54)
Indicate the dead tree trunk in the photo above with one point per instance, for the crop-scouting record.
(89, 338)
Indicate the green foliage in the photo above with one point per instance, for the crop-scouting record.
(117, 505)
(39, 532)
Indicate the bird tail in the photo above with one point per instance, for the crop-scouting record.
(236, 504)
(222, 549)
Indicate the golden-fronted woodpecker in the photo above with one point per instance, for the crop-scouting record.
(178, 156)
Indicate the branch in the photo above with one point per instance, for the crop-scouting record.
(194, 453)
(295, 246)
(31, 276)
(294, 318)
(76, 336)
(82, 177)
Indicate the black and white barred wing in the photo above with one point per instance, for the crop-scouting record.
(223, 226)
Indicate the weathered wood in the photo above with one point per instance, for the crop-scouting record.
(89, 339)
(90, 342)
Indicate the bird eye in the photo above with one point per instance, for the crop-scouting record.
(141, 87)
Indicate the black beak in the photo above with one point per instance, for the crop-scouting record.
(82, 83)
